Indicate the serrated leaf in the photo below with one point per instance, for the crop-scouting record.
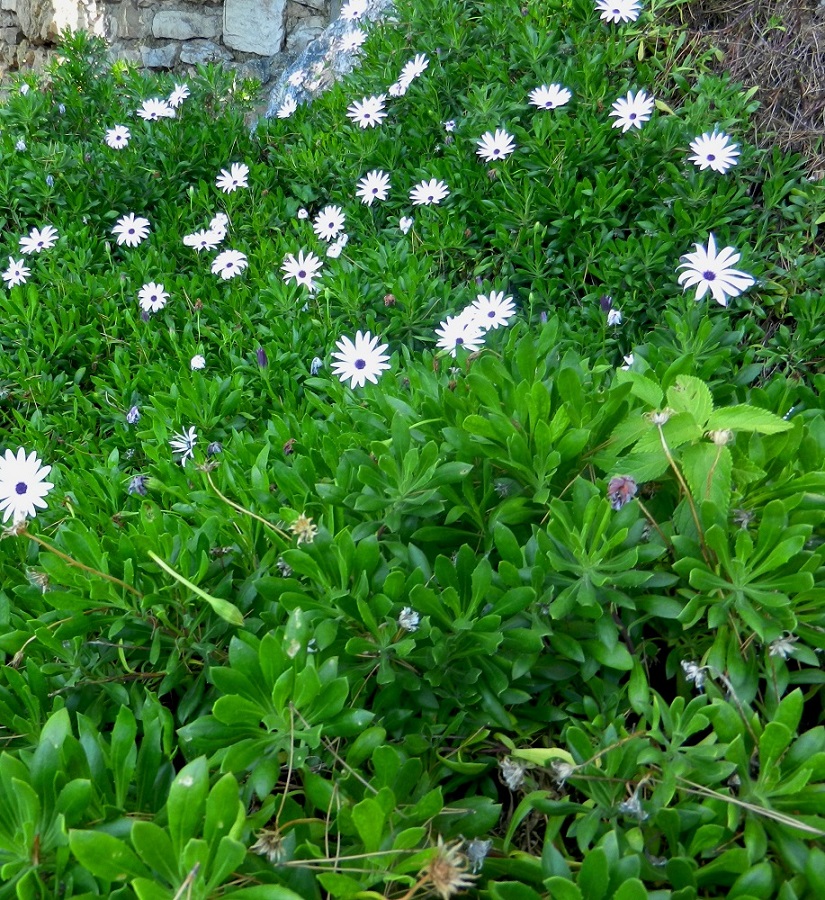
(746, 418)
(707, 469)
(691, 395)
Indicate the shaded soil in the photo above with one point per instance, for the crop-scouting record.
(779, 47)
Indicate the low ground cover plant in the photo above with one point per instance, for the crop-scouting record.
(420, 492)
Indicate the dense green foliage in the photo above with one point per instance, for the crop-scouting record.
(623, 697)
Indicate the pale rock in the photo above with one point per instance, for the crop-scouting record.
(304, 32)
(163, 57)
(254, 26)
(199, 52)
(43, 20)
(324, 59)
(9, 4)
(132, 22)
(185, 24)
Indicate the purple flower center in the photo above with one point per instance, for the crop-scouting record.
(360, 364)
(430, 198)
(21, 487)
(711, 157)
(491, 314)
(302, 274)
(709, 276)
(131, 231)
(632, 116)
(459, 341)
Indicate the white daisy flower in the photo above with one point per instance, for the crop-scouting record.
(459, 331)
(373, 186)
(184, 443)
(154, 109)
(493, 310)
(415, 67)
(405, 223)
(550, 96)
(203, 240)
(614, 317)
(632, 111)
(131, 230)
(296, 79)
(618, 10)
(493, 147)
(22, 487)
(714, 150)
(287, 108)
(361, 361)
(368, 112)
(714, 272)
(427, 193)
(229, 264)
(219, 224)
(118, 137)
(152, 297)
(229, 181)
(178, 95)
(39, 239)
(329, 222)
(302, 214)
(353, 10)
(336, 247)
(304, 269)
(449, 125)
(17, 273)
(198, 361)
(353, 40)
(397, 89)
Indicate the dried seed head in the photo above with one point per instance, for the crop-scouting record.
(447, 872)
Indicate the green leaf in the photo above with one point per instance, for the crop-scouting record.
(746, 418)
(187, 799)
(594, 875)
(632, 889)
(369, 819)
(266, 892)
(154, 847)
(562, 889)
(105, 856)
(691, 395)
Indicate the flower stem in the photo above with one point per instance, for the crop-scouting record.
(82, 566)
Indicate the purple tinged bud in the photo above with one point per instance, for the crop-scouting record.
(133, 416)
(260, 354)
(138, 485)
(214, 448)
(621, 490)
(606, 302)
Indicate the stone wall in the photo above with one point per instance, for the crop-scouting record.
(168, 34)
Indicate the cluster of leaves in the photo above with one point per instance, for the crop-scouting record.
(481, 644)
